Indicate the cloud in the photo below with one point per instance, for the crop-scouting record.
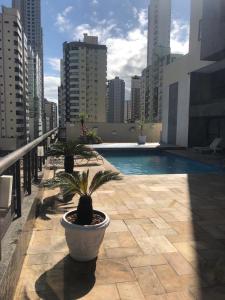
(62, 21)
(95, 2)
(179, 37)
(127, 52)
(54, 62)
(51, 87)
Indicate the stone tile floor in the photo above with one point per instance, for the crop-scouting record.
(166, 241)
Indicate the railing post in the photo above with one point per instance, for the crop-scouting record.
(18, 189)
(35, 165)
(25, 174)
(29, 175)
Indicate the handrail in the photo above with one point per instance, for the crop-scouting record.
(13, 157)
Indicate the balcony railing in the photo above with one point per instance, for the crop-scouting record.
(23, 164)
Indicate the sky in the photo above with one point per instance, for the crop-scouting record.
(120, 24)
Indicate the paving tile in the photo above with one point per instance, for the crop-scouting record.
(138, 221)
(148, 281)
(130, 291)
(117, 226)
(179, 264)
(160, 223)
(152, 230)
(119, 239)
(122, 252)
(186, 249)
(146, 260)
(168, 278)
(161, 244)
(102, 292)
(183, 295)
(113, 271)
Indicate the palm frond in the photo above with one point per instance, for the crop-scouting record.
(101, 178)
(84, 181)
(70, 183)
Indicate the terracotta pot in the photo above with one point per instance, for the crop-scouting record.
(84, 240)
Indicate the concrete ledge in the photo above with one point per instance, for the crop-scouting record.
(15, 244)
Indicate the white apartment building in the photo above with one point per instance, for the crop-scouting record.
(194, 86)
(30, 11)
(135, 98)
(14, 104)
(83, 81)
(116, 98)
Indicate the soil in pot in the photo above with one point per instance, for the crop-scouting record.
(97, 218)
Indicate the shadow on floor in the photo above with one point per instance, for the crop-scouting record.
(54, 205)
(207, 200)
(67, 280)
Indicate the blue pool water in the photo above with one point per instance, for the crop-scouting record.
(154, 162)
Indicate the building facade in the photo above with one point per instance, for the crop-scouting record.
(14, 104)
(116, 98)
(159, 23)
(83, 81)
(194, 86)
(50, 115)
(152, 87)
(30, 11)
(135, 98)
(127, 111)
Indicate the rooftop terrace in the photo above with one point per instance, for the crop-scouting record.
(166, 241)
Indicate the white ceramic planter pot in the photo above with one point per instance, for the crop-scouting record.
(142, 139)
(84, 241)
(6, 183)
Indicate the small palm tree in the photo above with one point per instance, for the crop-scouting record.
(79, 183)
(69, 150)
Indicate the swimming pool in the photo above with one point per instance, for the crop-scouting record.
(139, 162)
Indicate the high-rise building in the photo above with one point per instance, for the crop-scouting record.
(116, 98)
(50, 115)
(159, 22)
(135, 98)
(30, 11)
(158, 54)
(14, 106)
(83, 81)
(127, 111)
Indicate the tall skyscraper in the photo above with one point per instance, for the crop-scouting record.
(116, 98)
(158, 55)
(30, 11)
(14, 106)
(135, 98)
(83, 81)
(159, 22)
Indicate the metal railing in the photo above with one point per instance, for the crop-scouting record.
(24, 165)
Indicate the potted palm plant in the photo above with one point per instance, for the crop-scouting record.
(69, 150)
(84, 226)
(141, 137)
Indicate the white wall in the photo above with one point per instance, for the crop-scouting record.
(179, 71)
(116, 132)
